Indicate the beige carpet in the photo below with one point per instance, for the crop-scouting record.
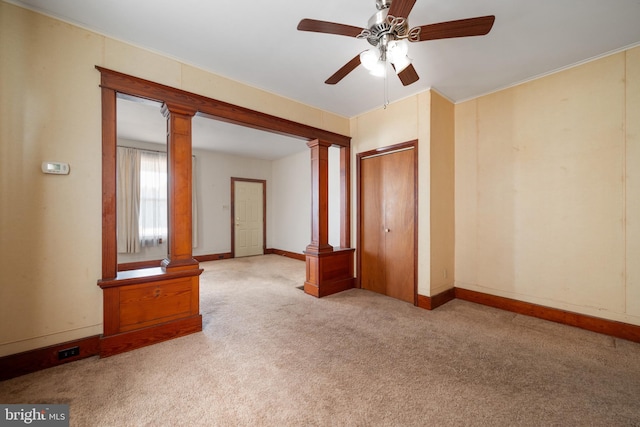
(271, 355)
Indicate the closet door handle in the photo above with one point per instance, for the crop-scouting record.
(386, 230)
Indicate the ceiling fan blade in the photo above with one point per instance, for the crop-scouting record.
(328, 28)
(408, 75)
(461, 28)
(401, 8)
(342, 72)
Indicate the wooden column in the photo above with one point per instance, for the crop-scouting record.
(319, 197)
(179, 197)
(328, 270)
(146, 306)
(109, 156)
(345, 197)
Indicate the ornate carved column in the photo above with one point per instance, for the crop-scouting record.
(179, 165)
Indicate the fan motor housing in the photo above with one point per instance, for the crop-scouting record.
(383, 4)
(379, 26)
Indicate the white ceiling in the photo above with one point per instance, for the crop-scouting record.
(256, 42)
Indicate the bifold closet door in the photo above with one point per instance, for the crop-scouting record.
(388, 224)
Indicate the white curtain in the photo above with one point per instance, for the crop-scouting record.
(128, 199)
(153, 198)
(142, 199)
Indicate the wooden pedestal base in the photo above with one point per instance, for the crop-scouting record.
(143, 307)
(329, 272)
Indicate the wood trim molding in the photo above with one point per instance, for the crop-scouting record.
(115, 84)
(18, 364)
(595, 324)
(215, 109)
(127, 341)
(213, 257)
(389, 149)
(345, 197)
(319, 151)
(137, 265)
(30, 361)
(179, 186)
(146, 275)
(109, 150)
(294, 255)
(431, 303)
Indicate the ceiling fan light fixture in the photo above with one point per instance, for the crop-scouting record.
(397, 49)
(397, 54)
(369, 58)
(400, 64)
(379, 69)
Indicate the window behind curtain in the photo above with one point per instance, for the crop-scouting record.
(153, 198)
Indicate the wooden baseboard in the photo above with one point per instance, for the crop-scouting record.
(287, 254)
(30, 361)
(213, 257)
(15, 365)
(127, 341)
(18, 364)
(431, 303)
(595, 324)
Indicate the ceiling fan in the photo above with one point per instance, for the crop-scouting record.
(389, 33)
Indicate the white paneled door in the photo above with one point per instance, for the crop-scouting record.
(248, 218)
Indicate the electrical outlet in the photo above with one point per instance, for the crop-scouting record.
(69, 352)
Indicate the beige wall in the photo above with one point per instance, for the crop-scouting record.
(50, 244)
(632, 190)
(547, 190)
(290, 225)
(442, 194)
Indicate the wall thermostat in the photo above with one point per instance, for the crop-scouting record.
(57, 168)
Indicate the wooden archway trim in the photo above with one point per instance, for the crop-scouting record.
(116, 84)
(215, 109)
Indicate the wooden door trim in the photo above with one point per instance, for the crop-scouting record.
(233, 211)
(379, 152)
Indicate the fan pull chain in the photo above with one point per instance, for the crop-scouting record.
(386, 86)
